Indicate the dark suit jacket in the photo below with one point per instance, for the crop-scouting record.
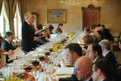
(108, 34)
(42, 40)
(108, 79)
(100, 57)
(27, 37)
(6, 47)
(91, 79)
(110, 56)
(72, 78)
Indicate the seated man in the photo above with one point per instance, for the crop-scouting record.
(83, 68)
(7, 45)
(106, 51)
(42, 39)
(73, 52)
(87, 30)
(92, 28)
(94, 52)
(106, 32)
(102, 70)
(39, 30)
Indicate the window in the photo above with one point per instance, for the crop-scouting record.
(1, 24)
(4, 21)
(17, 23)
(4, 26)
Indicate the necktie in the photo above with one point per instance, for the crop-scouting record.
(32, 27)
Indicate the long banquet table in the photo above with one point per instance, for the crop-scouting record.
(52, 59)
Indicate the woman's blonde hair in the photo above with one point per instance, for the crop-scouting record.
(88, 39)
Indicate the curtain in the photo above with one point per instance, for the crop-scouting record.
(1, 5)
(16, 6)
(5, 12)
(19, 10)
(20, 20)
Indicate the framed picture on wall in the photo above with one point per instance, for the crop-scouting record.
(56, 16)
(35, 21)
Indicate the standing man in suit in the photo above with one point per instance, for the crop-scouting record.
(27, 33)
(102, 70)
(106, 51)
(83, 68)
(7, 45)
(94, 52)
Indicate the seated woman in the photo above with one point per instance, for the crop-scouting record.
(88, 39)
(50, 29)
(59, 29)
(95, 37)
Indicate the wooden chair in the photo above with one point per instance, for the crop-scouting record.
(115, 42)
(3, 60)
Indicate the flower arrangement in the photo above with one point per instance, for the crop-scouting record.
(56, 47)
(70, 35)
(13, 79)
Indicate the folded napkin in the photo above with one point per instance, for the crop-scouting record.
(63, 65)
(78, 41)
(64, 71)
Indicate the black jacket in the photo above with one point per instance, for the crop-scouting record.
(42, 40)
(27, 37)
(72, 78)
(6, 47)
(100, 57)
(108, 34)
(108, 79)
(110, 56)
